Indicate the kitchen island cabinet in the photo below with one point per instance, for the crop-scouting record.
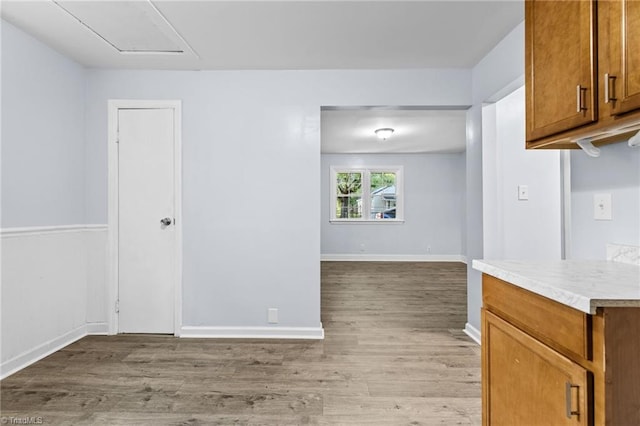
(556, 349)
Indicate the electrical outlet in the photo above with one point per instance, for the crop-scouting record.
(272, 315)
(523, 192)
(602, 207)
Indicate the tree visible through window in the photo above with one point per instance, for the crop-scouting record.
(349, 191)
(366, 194)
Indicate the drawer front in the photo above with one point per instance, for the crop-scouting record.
(563, 328)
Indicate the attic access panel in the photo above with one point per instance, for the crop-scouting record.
(128, 26)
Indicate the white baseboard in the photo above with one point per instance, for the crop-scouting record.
(253, 332)
(27, 358)
(35, 261)
(472, 332)
(393, 258)
(98, 328)
(101, 328)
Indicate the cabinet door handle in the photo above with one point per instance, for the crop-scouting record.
(569, 399)
(580, 106)
(609, 88)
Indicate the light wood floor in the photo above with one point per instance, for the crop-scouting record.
(393, 354)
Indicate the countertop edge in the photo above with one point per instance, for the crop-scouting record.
(550, 291)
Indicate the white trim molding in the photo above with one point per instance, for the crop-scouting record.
(97, 328)
(472, 332)
(102, 328)
(33, 355)
(27, 358)
(112, 240)
(41, 230)
(393, 258)
(48, 270)
(316, 333)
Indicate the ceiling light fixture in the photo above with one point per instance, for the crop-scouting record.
(384, 133)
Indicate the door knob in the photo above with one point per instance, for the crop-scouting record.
(166, 221)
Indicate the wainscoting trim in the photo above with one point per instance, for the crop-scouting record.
(472, 332)
(393, 258)
(40, 258)
(46, 230)
(253, 332)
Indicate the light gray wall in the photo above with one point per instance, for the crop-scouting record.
(496, 75)
(251, 176)
(433, 201)
(518, 229)
(42, 134)
(616, 172)
(44, 274)
(473, 214)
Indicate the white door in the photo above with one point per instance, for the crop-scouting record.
(146, 232)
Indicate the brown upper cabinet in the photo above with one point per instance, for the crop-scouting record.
(582, 71)
(622, 77)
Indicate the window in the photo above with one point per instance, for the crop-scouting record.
(372, 194)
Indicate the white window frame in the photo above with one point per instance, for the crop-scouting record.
(366, 193)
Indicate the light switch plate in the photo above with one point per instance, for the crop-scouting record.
(602, 207)
(523, 192)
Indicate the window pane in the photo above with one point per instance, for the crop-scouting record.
(355, 207)
(348, 207)
(348, 183)
(383, 195)
(356, 182)
(341, 202)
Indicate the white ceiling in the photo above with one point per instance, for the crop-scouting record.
(351, 130)
(331, 34)
(278, 34)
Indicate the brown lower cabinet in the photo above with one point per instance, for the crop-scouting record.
(544, 363)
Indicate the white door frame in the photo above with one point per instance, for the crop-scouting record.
(112, 234)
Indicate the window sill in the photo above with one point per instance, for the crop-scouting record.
(366, 221)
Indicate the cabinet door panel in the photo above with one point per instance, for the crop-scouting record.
(560, 66)
(624, 74)
(528, 383)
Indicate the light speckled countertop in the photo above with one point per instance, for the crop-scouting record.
(581, 284)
